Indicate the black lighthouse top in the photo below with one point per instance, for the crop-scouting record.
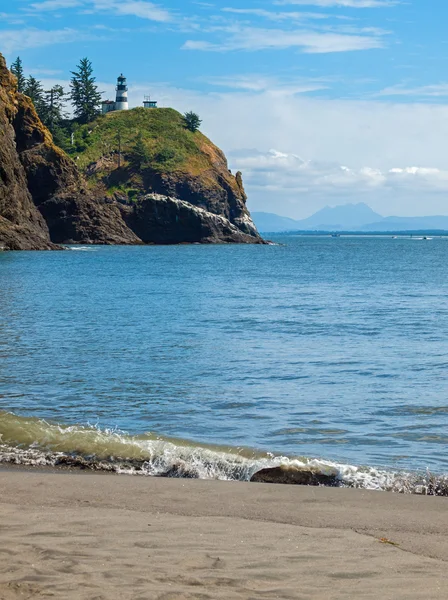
(121, 84)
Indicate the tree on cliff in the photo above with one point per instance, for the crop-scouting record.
(53, 110)
(54, 117)
(140, 154)
(192, 121)
(17, 70)
(33, 88)
(49, 105)
(84, 94)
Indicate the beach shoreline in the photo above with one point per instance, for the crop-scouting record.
(68, 535)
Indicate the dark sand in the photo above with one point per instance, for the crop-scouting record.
(100, 537)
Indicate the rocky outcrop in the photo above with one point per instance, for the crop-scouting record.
(294, 476)
(214, 189)
(158, 219)
(70, 209)
(22, 227)
(45, 200)
(180, 165)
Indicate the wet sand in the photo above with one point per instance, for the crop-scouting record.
(105, 537)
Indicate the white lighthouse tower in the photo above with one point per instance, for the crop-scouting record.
(121, 102)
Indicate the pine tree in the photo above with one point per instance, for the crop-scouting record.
(84, 92)
(140, 154)
(53, 107)
(61, 137)
(192, 121)
(33, 88)
(17, 70)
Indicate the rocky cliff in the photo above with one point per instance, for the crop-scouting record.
(159, 219)
(179, 195)
(172, 161)
(71, 211)
(22, 227)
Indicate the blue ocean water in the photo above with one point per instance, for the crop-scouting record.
(333, 348)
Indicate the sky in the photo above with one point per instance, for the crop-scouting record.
(317, 102)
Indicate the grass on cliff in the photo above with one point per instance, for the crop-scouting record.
(169, 145)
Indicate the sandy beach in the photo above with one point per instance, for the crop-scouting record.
(84, 536)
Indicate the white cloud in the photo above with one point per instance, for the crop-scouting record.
(137, 8)
(287, 184)
(276, 85)
(199, 45)
(297, 172)
(342, 3)
(438, 90)
(41, 72)
(13, 40)
(50, 5)
(276, 16)
(311, 42)
(10, 19)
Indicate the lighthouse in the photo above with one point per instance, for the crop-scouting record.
(121, 102)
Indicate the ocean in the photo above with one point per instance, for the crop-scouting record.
(216, 361)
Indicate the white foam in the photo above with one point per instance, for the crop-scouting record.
(82, 248)
(35, 442)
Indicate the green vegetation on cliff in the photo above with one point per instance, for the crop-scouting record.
(169, 145)
(124, 151)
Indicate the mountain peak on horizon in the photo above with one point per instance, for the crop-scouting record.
(342, 215)
(349, 217)
(352, 204)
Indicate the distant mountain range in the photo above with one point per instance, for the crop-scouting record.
(347, 217)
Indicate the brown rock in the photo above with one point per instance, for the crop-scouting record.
(160, 219)
(71, 211)
(22, 227)
(294, 476)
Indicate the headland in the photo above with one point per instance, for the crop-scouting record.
(129, 177)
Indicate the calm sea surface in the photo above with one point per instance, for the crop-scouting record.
(318, 347)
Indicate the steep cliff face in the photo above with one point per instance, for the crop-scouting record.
(22, 227)
(159, 219)
(183, 193)
(71, 211)
(213, 188)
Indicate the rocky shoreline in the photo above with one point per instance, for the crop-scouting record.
(418, 484)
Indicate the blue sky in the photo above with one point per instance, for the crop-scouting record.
(316, 101)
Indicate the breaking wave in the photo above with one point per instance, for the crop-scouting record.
(36, 442)
(82, 248)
